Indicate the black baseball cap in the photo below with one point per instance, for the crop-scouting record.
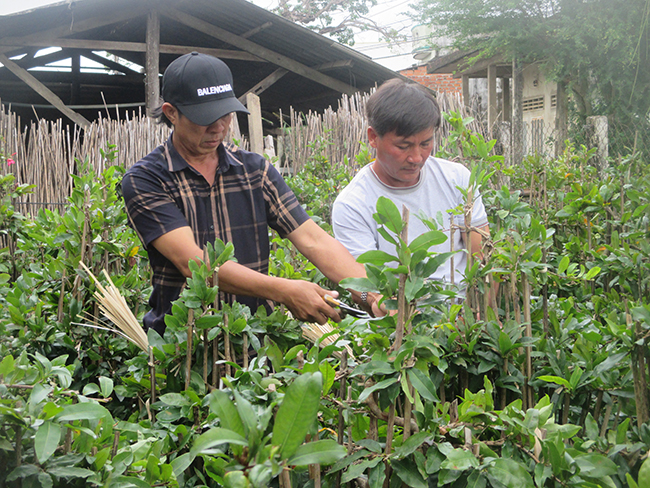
(200, 87)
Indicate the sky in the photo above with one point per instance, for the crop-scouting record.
(388, 13)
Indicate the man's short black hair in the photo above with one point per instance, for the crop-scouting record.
(406, 108)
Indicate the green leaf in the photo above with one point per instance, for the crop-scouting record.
(423, 384)
(388, 215)
(556, 379)
(593, 272)
(46, 440)
(356, 470)
(82, 411)
(595, 465)
(377, 386)
(223, 407)
(106, 386)
(510, 474)
(476, 480)
(411, 444)
(181, 463)
(235, 479)
(23, 471)
(459, 460)
(70, 472)
(358, 284)
(297, 413)
(408, 472)
(329, 373)
(427, 240)
(7, 365)
(378, 258)
(216, 436)
(175, 400)
(644, 473)
(323, 452)
(564, 264)
(575, 378)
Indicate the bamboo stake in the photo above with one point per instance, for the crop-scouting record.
(529, 333)
(226, 344)
(188, 355)
(206, 351)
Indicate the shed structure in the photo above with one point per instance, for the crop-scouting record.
(133, 42)
(533, 108)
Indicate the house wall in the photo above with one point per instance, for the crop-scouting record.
(436, 82)
(539, 110)
(537, 89)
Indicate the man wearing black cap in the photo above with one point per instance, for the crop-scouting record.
(194, 189)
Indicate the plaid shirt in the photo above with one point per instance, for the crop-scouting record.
(162, 192)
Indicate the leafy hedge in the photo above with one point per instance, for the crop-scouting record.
(545, 386)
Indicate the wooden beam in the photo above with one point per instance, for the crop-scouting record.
(118, 15)
(264, 84)
(466, 94)
(75, 68)
(152, 63)
(257, 29)
(342, 63)
(43, 91)
(492, 97)
(141, 47)
(27, 63)
(255, 135)
(263, 52)
(127, 70)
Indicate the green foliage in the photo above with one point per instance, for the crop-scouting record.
(76, 406)
(598, 49)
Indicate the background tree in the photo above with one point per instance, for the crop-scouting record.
(598, 48)
(339, 19)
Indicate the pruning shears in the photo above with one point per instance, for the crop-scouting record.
(346, 309)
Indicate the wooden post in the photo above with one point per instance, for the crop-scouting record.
(152, 68)
(561, 117)
(517, 112)
(492, 97)
(507, 100)
(466, 94)
(255, 123)
(75, 66)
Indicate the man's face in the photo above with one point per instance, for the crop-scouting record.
(400, 158)
(197, 140)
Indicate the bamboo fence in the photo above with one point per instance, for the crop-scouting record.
(48, 153)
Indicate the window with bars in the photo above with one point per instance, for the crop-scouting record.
(553, 101)
(534, 103)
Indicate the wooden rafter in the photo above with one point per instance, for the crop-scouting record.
(260, 51)
(44, 38)
(264, 84)
(43, 91)
(140, 47)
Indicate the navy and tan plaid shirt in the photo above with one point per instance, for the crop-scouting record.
(162, 192)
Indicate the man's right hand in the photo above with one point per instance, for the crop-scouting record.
(305, 301)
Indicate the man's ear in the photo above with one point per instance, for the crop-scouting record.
(372, 137)
(170, 112)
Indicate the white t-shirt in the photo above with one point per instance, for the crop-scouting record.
(436, 191)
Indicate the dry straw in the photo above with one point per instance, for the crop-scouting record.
(315, 332)
(115, 308)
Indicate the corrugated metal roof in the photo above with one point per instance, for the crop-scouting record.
(125, 21)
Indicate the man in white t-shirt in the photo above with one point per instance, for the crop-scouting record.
(402, 119)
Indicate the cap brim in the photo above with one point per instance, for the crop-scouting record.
(209, 112)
